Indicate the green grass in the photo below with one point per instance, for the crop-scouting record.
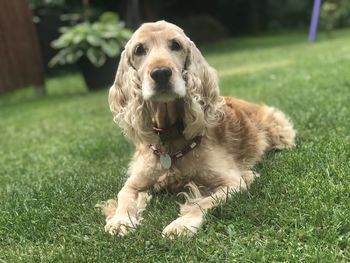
(62, 154)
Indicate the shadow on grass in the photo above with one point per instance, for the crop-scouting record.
(59, 89)
(26, 99)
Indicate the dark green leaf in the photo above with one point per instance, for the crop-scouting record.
(93, 40)
(111, 48)
(96, 57)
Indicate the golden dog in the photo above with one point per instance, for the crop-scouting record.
(166, 100)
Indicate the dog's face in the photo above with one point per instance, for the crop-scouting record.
(158, 52)
(159, 65)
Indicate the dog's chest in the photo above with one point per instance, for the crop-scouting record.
(179, 174)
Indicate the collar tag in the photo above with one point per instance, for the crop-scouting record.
(165, 160)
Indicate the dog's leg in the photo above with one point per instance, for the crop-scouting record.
(127, 214)
(109, 207)
(192, 213)
(132, 200)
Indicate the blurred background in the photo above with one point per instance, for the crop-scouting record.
(44, 38)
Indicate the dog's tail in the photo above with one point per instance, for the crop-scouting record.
(279, 129)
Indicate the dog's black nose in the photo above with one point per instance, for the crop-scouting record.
(161, 75)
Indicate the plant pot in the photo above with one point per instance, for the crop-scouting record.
(97, 78)
(48, 30)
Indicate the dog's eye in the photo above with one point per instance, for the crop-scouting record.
(175, 46)
(140, 50)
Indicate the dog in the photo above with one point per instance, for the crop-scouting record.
(166, 100)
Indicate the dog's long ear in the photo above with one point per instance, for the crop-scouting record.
(119, 92)
(124, 95)
(125, 101)
(203, 90)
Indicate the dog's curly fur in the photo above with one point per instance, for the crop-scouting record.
(235, 133)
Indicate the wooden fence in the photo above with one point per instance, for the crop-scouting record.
(20, 58)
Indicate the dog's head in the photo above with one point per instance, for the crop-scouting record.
(161, 64)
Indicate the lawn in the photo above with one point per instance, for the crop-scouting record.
(62, 154)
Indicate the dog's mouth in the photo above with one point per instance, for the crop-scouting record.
(163, 87)
(167, 91)
(164, 93)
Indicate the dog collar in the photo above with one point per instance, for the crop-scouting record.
(166, 159)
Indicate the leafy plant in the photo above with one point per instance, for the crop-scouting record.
(335, 13)
(96, 41)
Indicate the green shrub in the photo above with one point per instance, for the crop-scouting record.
(335, 13)
(96, 41)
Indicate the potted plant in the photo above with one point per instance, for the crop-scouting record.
(46, 17)
(94, 46)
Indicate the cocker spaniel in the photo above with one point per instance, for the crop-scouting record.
(166, 100)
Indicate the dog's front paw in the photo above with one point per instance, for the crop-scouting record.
(183, 226)
(121, 225)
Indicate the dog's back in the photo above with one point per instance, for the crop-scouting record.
(249, 129)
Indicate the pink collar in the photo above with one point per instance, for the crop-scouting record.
(179, 154)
